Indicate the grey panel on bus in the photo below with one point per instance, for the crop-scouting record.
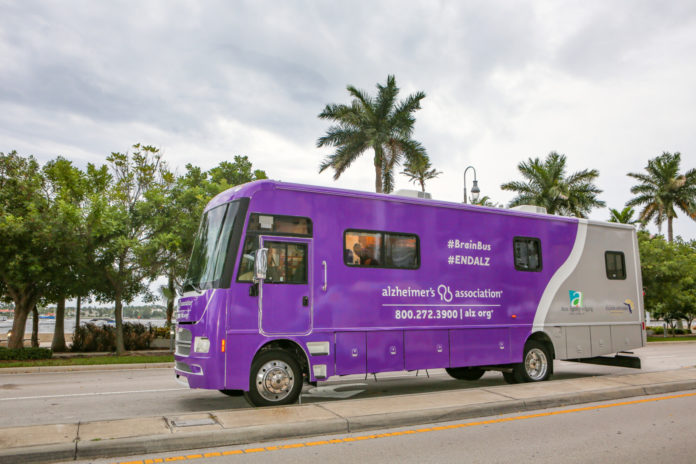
(601, 340)
(599, 302)
(578, 342)
(626, 337)
(558, 338)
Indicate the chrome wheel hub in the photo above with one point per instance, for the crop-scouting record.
(536, 364)
(274, 381)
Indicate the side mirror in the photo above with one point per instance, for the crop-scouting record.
(260, 264)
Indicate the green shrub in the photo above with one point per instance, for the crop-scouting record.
(661, 331)
(161, 332)
(90, 337)
(22, 354)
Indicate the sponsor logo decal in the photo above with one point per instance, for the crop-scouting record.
(630, 305)
(575, 299)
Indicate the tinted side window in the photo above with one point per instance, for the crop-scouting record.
(380, 249)
(615, 265)
(401, 251)
(362, 248)
(527, 252)
(279, 225)
(287, 263)
(267, 224)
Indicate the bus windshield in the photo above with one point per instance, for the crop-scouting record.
(210, 247)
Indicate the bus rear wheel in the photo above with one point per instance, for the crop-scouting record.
(465, 373)
(536, 365)
(275, 379)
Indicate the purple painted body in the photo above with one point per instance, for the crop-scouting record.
(465, 304)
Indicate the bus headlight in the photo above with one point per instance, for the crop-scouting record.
(201, 345)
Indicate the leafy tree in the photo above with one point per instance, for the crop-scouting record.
(182, 214)
(382, 124)
(418, 170)
(228, 174)
(663, 189)
(66, 189)
(669, 278)
(547, 185)
(127, 254)
(625, 216)
(36, 237)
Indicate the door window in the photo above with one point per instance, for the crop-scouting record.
(287, 263)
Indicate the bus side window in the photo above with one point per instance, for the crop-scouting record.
(527, 251)
(615, 263)
(389, 250)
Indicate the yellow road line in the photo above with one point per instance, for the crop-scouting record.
(335, 441)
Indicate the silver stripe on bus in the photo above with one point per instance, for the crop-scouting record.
(560, 277)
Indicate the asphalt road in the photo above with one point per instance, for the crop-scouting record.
(47, 398)
(644, 430)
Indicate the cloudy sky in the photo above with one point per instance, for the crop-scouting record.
(608, 83)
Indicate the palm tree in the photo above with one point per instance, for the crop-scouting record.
(546, 185)
(486, 201)
(419, 170)
(663, 188)
(625, 216)
(381, 124)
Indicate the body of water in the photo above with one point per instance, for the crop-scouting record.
(48, 325)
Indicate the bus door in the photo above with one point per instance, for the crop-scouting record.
(285, 296)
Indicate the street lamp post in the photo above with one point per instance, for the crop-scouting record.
(474, 190)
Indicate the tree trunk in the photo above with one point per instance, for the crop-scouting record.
(378, 169)
(170, 300)
(58, 343)
(120, 347)
(35, 327)
(669, 229)
(77, 312)
(23, 306)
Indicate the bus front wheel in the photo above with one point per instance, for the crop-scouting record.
(275, 379)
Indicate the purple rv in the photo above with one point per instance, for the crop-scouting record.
(293, 283)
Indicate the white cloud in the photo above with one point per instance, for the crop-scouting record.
(607, 83)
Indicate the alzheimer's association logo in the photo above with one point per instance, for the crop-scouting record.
(575, 299)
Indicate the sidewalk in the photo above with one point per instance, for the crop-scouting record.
(62, 442)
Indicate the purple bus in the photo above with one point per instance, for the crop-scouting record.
(291, 283)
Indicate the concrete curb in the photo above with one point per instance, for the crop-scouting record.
(91, 367)
(332, 425)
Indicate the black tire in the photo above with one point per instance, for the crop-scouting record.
(465, 373)
(275, 379)
(509, 377)
(536, 365)
(232, 392)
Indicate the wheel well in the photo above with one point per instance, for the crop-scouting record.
(292, 348)
(542, 337)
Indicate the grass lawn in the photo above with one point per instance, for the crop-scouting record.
(90, 360)
(669, 338)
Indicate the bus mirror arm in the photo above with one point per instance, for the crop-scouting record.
(326, 281)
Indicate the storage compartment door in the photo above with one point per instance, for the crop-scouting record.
(385, 351)
(426, 349)
(350, 353)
